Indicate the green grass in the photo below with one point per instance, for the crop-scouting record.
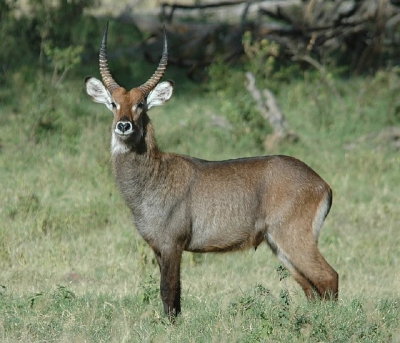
(256, 316)
(76, 270)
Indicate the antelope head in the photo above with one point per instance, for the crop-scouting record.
(128, 107)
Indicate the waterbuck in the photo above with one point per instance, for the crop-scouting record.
(181, 203)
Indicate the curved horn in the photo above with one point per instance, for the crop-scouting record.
(159, 73)
(108, 80)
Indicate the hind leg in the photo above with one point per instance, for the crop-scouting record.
(308, 288)
(309, 268)
(323, 276)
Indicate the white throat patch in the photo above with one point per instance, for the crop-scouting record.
(117, 147)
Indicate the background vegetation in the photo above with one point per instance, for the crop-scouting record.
(74, 269)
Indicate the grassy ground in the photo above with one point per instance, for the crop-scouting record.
(74, 269)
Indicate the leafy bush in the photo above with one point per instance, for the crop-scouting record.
(14, 36)
(25, 36)
(237, 104)
(265, 60)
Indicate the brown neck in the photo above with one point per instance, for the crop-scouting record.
(148, 144)
(137, 170)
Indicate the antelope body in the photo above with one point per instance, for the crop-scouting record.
(180, 203)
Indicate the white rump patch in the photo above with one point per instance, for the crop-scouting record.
(160, 95)
(320, 217)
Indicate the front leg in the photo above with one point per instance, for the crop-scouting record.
(170, 286)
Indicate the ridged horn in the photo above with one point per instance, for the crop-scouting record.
(159, 73)
(108, 80)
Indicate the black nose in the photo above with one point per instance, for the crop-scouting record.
(124, 126)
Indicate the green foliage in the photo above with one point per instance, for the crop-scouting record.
(390, 79)
(63, 60)
(52, 19)
(261, 55)
(47, 113)
(229, 83)
(42, 29)
(61, 315)
(149, 290)
(282, 272)
(261, 58)
(278, 319)
(267, 62)
(14, 36)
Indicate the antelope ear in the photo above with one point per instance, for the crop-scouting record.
(98, 92)
(160, 94)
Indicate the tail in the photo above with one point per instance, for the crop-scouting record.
(321, 213)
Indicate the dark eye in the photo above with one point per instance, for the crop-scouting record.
(140, 105)
(113, 105)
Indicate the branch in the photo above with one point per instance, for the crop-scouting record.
(269, 109)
